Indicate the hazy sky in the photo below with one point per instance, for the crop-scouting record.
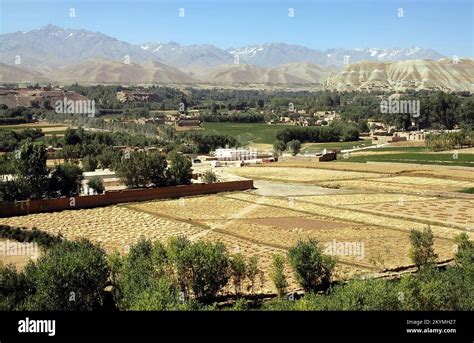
(444, 25)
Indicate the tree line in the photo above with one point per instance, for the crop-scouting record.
(182, 275)
(335, 132)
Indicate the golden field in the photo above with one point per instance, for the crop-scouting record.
(372, 210)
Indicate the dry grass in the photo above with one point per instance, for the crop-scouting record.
(284, 174)
(379, 212)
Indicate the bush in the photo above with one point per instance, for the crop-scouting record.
(170, 273)
(434, 290)
(70, 276)
(96, 184)
(294, 146)
(180, 171)
(66, 180)
(252, 272)
(14, 287)
(238, 270)
(209, 177)
(278, 275)
(206, 266)
(364, 295)
(140, 282)
(421, 251)
(89, 163)
(313, 269)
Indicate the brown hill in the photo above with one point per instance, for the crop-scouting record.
(414, 74)
(105, 71)
(17, 74)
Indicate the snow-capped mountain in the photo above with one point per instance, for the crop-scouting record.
(178, 55)
(272, 54)
(57, 46)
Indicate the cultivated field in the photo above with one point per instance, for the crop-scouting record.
(364, 219)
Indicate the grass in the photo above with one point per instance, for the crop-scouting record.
(466, 160)
(401, 149)
(468, 190)
(28, 126)
(246, 133)
(312, 148)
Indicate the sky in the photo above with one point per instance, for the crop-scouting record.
(444, 25)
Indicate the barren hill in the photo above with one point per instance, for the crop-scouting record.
(414, 74)
(105, 71)
(11, 73)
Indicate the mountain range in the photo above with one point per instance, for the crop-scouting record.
(52, 53)
(56, 46)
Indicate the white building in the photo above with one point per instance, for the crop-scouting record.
(235, 154)
(110, 180)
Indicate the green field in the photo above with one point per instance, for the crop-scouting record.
(312, 148)
(466, 160)
(401, 149)
(28, 126)
(246, 133)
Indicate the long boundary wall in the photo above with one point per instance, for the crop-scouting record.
(114, 197)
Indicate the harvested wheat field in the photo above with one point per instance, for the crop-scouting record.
(364, 219)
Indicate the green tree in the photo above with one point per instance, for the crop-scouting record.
(14, 288)
(96, 184)
(294, 146)
(69, 276)
(66, 180)
(209, 176)
(278, 274)
(30, 168)
(133, 171)
(278, 148)
(156, 169)
(238, 269)
(207, 266)
(89, 163)
(180, 170)
(465, 250)
(252, 272)
(313, 269)
(421, 251)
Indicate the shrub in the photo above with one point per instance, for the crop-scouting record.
(209, 177)
(66, 180)
(70, 276)
(294, 146)
(421, 251)
(96, 184)
(278, 274)
(313, 269)
(252, 272)
(89, 163)
(364, 295)
(180, 171)
(207, 268)
(14, 287)
(238, 271)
